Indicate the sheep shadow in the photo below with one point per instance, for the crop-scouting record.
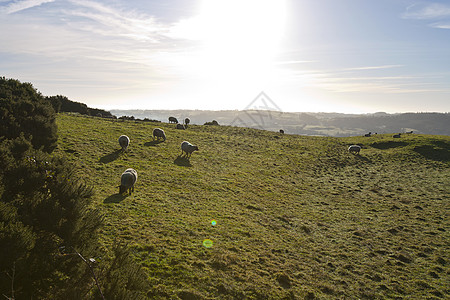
(115, 198)
(182, 161)
(110, 157)
(362, 158)
(153, 143)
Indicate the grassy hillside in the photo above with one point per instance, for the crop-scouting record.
(289, 216)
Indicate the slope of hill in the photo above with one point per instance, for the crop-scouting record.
(258, 215)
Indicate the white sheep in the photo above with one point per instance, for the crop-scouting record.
(354, 149)
(180, 126)
(188, 148)
(159, 133)
(124, 141)
(396, 136)
(127, 181)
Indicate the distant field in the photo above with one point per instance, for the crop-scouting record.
(289, 216)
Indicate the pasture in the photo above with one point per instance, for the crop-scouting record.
(259, 215)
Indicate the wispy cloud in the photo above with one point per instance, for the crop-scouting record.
(427, 11)
(352, 80)
(104, 20)
(441, 25)
(373, 68)
(18, 6)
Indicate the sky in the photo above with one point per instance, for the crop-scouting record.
(347, 56)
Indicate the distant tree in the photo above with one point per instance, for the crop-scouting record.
(63, 104)
(23, 110)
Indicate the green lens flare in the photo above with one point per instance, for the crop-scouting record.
(208, 243)
(213, 222)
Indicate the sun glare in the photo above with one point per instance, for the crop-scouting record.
(238, 39)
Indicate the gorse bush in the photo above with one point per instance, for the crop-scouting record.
(43, 206)
(23, 110)
(46, 216)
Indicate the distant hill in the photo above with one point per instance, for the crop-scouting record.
(256, 214)
(323, 124)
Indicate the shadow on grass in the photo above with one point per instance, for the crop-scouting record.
(115, 198)
(110, 157)
(362, 158)
(389, 144)
(439, 152)
(154, 143)
(182, 161)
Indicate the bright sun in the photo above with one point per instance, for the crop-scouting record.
(241, 36)
(238, 40)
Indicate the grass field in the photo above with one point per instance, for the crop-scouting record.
(286, 216)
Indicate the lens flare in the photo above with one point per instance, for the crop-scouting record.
(207, 243)
(213, 222)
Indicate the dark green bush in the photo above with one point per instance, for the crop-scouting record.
(63, 104)
(23, 110)
(43, 206)
(47, 222)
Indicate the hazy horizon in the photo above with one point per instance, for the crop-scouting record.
(350, 56)
(280, 111)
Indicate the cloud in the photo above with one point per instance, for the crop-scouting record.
(373, 68)
(22, 5)
(441, 25)
(343, 81)
(427, 11)
(97, 18)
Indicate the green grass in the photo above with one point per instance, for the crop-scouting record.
(297, 216)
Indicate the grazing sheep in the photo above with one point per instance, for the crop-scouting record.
(124, 141)
(188, 148)
(368, 134)
(159, 133)
(127, 181)
(186, 122)
(180, 126)
(396, 136)
(354, 149)
(173, 120)
(281, 131)
(409, 132)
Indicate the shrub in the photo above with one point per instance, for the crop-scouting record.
(43, 206)
(213, 122)
(23, 110)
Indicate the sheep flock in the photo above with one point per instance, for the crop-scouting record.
(129, 176)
